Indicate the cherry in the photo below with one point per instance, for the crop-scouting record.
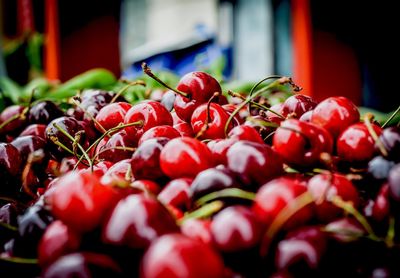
(390, 139)
(211, 180)
(394, 182)
(235, 228)
(300, 143)
(209, 121)
(81, 194)
(379, 167)
(335, 114)
(35, 130)
(168, 99)
(256, 163)
(238, 119)
(177, 194)
(9, 213)
(57, 240)
(137, 230)
(345, 229)
(306, 117)
(165, 131)
(68, 164)
(145, 163)
(27, 145)
(43, 112)
(273, 117)
(147, 186)
(12, 119)
(257, 123)
(296, 105)
(277, 194)
(325, 187)
(10, 166)
(219, 149)
(120, 170)
(355, 144)
(119, 146)
(185, 157)
(151, 113)
(111, 115)
(176, 255)
(184, 129)
(245, 132)
(380, 207)
(83, 265)
(198, 229)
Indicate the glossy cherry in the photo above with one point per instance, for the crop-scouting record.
(12, 119)
(35, 130)
(300, 143)
(390, 139)
(394, 182)
(379, 209)
(120, 170)
(27, 145)
(118, 147)
(185, 157)
(165, 131)
(219, 149)
(111, 115)
(176, 255)
(295, 106)
(198, 229)
(355, 144)
(345, 229)
(245, 132)
(43, 112)
(335, 114)
(148, 187)
(10, 167)
(137, 230)
(176, 193)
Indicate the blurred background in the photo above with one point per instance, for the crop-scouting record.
(329, 47)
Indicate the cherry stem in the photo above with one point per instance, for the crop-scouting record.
(284, 215)
(280, 81)
(10, 120)
(89, 114)
(147, 70)
(208, 119)
(8, 227)
(129, 149)
(203, 212)
(389, 240)
(126, 87)
(367, 121)
(55, 140)
(226, 193)
(391, 117)
(18, 260)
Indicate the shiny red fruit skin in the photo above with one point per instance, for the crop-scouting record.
(117, 147)
(235, 228)
(185, 157)
(111, 115)
(176, 193)
(57, 240)
(184, 107)
(148, 187)
(184, 129)
(177, 256)
(119, 170)
(296, 105)
(274, 196)
(335, 114)
(216, 122)
(14, 125)
(136, 221)
(245, 132)
(256, 163)
(324, 187)
(165, 131)
(355, 144)
(80, 200)
(35, 130)
(219, 149)
(152, 114)
(198, 229)
(301, 143)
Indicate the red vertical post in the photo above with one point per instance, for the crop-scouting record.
(26, 22)
(52, 40)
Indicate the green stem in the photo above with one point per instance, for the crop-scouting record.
(8, 121)
(204, 211)
(126, 87)
(391, 117)
(389, 240)
(8, 226)
(19, 260)
(226, 193)
(367, 122)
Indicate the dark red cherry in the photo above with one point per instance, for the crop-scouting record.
(277, 194)
(325, 187)
(80, 200)
(136, 221)
(345, 229)
(355, 144)
(235, 228)
(394, 182)
(165, 131)
(57, 240)
(176, 255)
(335, 114)
(35, 130)
(380, 207)
(219, 149)
(295, 106)
(245, 132)
(177, 194)
(145, 162)
(198, 229)
(83, 265)
(111, 115)
(215, 119)
(300, 143)
(27, 145)
(118, 147)
(68, 164)
(185, 157)
(43, 112)
(9, 213)
(390, 139)
(12, 119)
(151, 113)
(255, 163)
(10, 167)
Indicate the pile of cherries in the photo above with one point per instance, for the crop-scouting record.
(197, 184)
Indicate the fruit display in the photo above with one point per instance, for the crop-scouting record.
(194, 180)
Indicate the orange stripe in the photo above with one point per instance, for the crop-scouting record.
(52, 46)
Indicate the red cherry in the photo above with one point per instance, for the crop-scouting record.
(176, 255)
(10, 166)
(184, 129)
(147, 186)
(335, 114)
(235, 228)
(274, 196)
(345, 229)
(296, 105)
(136, 221)
(306, 117)
(245, 132)
(57, 240)
(219, 149)
(198, 229)
(300, 143)
(324, 187)
(239, 118)
(11, 119)
(215, 123)
(111, 115)
(117, 147)
(185, 157)
(165, 131)
(151, 113)
(35, 130)
(119, 170)
(80, 200)
(355, 144)
(381, 205)
(176, 193)
(256, 163)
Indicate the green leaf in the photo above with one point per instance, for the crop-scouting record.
(10, 89)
